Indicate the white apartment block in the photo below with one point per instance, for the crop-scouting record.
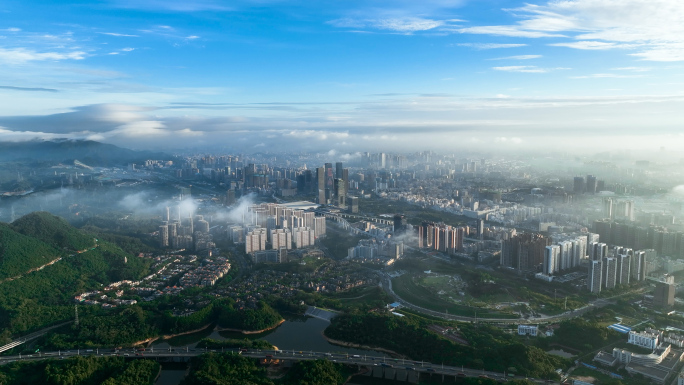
(531, 330)
(649, 338)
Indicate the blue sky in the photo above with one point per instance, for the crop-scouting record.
(344, 75)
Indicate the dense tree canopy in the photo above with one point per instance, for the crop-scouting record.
(489, 348)
(80, 371)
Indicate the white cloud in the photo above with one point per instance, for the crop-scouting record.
(607, 75)
(23, 55)
(403, 122)
(11, 29)
(490, 45)
(403, 24)
(408, 24)
(528, 69)
(127, 49)
(664, 52)
(117, 34)
(591, 45)
(189, 132)
(141, 128)
(503, 139)
(518, 57)
(632, 69)
(654, 28)
(192, 37)
(504, 30)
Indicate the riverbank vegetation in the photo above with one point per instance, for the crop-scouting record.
(125, 326)
(234, 369)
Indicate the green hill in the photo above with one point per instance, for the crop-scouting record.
(20, 253)
(53, 230)
(45, 296)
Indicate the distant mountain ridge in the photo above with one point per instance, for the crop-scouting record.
(89, 152)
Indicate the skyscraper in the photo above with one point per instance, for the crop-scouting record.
(163, 236)
(623, 269)
(604, 230)
(329, 182)
(638, 266)
(480, 228)
(608, 208)
(354, 204)
(320, 182)
(594, 277)
(551, 256)
(578, 185)
(591, 184)
(663, 295)
(340, 193)
(564, 259)
(609, 272)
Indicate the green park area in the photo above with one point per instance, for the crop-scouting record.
(453, 286)
(406, 287)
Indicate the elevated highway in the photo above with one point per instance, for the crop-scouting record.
(377, 366)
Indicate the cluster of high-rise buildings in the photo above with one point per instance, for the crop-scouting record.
(564, 255)
(618, 209)
(590, 185)
(441, 237)
(659, 238)
(607, 268)
(524, 252)
(190, 232)
(330, 184)
(271, 226)
(617, 267)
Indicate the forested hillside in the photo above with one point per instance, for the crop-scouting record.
(20, 253)
(39, 297)
(53, 230)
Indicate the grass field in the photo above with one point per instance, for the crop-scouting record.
(436, 282)
(406, 288)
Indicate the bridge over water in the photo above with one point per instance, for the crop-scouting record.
(375, 366)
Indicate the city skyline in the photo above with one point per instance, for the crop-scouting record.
(585, 74)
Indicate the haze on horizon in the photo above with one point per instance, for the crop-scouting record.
(348, 76)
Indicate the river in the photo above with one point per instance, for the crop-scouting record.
(298, 333)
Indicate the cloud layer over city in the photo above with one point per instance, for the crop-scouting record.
(268, 75)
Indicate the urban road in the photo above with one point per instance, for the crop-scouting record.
(282, 355)
(386, 283)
